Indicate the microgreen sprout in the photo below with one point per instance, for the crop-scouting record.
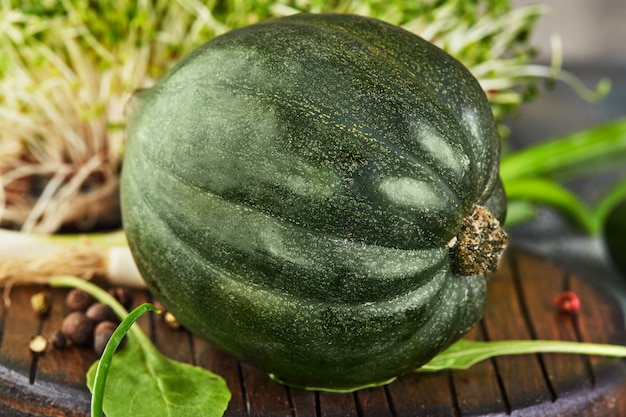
(68, 68)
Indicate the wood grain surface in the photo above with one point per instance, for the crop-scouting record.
(520, 306)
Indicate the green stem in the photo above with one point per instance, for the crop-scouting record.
(542, 191)
(518, 212)
(466, 353)
(586, 151)
(66, 281)
(127, 319)
(107, 356)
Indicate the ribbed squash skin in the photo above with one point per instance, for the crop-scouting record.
(290, 188)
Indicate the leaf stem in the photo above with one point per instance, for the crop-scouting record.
(66, 281)
(125, 327)
(107, 356)
(518, 212)
(530, 175)
(466, 353)
(616, 194)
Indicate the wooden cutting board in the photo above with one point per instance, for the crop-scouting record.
(520, 306)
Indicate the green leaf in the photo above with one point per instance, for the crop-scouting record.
(614, 196)
(102, 367)
(550, 193)
(138, 380)
(519, 211)
(530, 175)
(143, 382)
(466, 353)
(611, 216)
(598, 148)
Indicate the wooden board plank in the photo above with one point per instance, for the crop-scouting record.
(519, 307)
(373, 402)
(422, 395)
(70, 363)
(521, 377)
(259, 389)
(331, 405)
(228, 368)
(58, 388)
(565, 373)
(600, 322)
(303, 403)
(478, 390)
(19, 327)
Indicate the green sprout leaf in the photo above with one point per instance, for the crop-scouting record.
(550, 193)
(613, 222)
(597, 148)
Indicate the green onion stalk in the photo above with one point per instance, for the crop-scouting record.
(68, 68)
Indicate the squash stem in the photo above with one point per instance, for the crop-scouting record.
(479, 245)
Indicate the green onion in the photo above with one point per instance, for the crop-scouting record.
(27, 258)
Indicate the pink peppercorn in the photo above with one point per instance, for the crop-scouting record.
(567, 302)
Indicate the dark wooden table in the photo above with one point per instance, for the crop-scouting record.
(520, 306)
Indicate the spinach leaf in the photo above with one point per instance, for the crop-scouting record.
(140, 381)
(151, 384)
(466, 353)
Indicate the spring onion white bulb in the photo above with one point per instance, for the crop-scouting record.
(33, 259)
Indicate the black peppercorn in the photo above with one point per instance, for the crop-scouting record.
(102, 334)
(78, 328)
(101, 312)
(58, 340)
(124, 297)
(78, 300)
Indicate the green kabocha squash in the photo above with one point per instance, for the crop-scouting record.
(317, 195)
